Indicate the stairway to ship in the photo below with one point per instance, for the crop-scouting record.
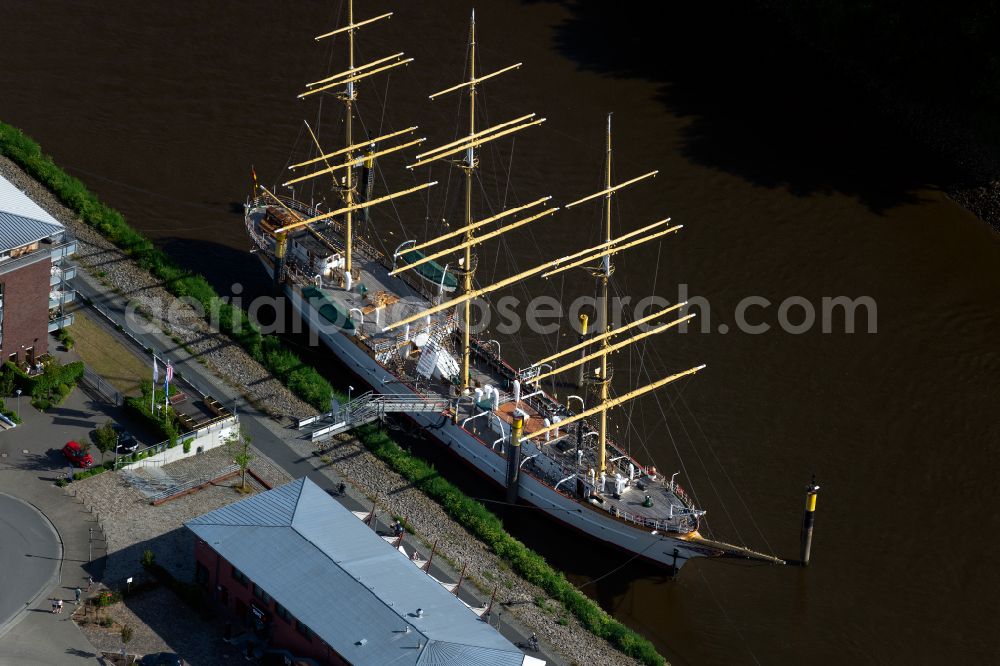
(366, 409)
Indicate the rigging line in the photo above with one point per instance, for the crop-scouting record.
(619, 567)
(725, 614)
(491, 147)
(653, 353)
(670, 433)
(728, 477)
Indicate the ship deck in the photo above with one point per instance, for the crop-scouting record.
(559, 464)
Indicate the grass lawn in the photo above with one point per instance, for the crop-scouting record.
(108, 357)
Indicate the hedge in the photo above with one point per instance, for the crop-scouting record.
(309, 385)
(9, 413)
(486, 527)
(50, 387)
(306, 382)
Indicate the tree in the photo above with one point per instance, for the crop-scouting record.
(238, 446)
(105, 438)
(127, 634)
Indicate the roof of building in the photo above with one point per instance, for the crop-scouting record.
(354, 590)
(22, 221)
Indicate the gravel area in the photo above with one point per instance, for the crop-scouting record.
(370, 475)
(132, 525)
(160, 623)
(224, 357)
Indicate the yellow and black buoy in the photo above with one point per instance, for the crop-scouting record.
(806, 539)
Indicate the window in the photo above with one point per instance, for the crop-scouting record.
(303, 629)
(282, 612)
(261, 594)
(201, 574)
(239, 577)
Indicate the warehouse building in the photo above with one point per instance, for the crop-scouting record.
(33, 277)
(318, 582)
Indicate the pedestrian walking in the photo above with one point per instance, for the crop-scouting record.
(78, 592)
(59, 606)
(90, 583)
(54, 606)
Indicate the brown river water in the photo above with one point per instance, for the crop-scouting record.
(788, 184)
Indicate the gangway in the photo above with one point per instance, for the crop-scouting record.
(367, 408)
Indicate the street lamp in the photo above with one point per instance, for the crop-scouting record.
(349, 389)
(18, 393)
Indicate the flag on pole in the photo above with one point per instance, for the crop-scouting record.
(253, 172)
(156, 379)
(168, 375)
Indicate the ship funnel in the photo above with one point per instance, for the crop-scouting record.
(514, 459)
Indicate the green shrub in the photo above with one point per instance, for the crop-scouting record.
(190, 593)
(65, 338)
(49, 388)
(89, 472)
(9, 413)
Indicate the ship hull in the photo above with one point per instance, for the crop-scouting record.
(662, 549)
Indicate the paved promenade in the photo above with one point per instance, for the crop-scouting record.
(34, 635)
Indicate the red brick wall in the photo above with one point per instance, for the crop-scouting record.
(236, 601)
(25, 310)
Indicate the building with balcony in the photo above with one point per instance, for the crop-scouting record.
(33, 276)
(309, 577)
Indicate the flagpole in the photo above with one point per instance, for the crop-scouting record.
(152, 393)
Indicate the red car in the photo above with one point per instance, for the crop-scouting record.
(76, 455)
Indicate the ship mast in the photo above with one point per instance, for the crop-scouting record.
(604, 275)
(469, 168)
(349, 96)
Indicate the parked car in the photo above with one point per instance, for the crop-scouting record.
(127, 443)
(76, 455)
(161, 659)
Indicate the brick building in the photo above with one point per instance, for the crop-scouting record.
(314, 580)
(33, 276)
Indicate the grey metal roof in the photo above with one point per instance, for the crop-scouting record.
(22, 221)
(346, 583)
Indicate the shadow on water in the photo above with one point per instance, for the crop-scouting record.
(760, 105)
(222, 265)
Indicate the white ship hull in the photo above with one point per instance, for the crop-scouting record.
(664, 549)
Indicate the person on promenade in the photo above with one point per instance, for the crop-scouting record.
(59, 604)
(78, 592)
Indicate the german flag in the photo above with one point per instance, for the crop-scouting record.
(253, 173)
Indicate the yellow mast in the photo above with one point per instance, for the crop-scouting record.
(470, 166)
(349, 98)
(603, 276)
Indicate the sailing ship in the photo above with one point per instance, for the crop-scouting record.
(401, 322)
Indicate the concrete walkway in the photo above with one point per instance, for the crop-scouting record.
(281, 444)
(35, 635)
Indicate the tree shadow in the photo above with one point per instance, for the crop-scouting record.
(760, 105)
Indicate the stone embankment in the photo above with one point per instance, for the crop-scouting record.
(525, 601)
(214, 349)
